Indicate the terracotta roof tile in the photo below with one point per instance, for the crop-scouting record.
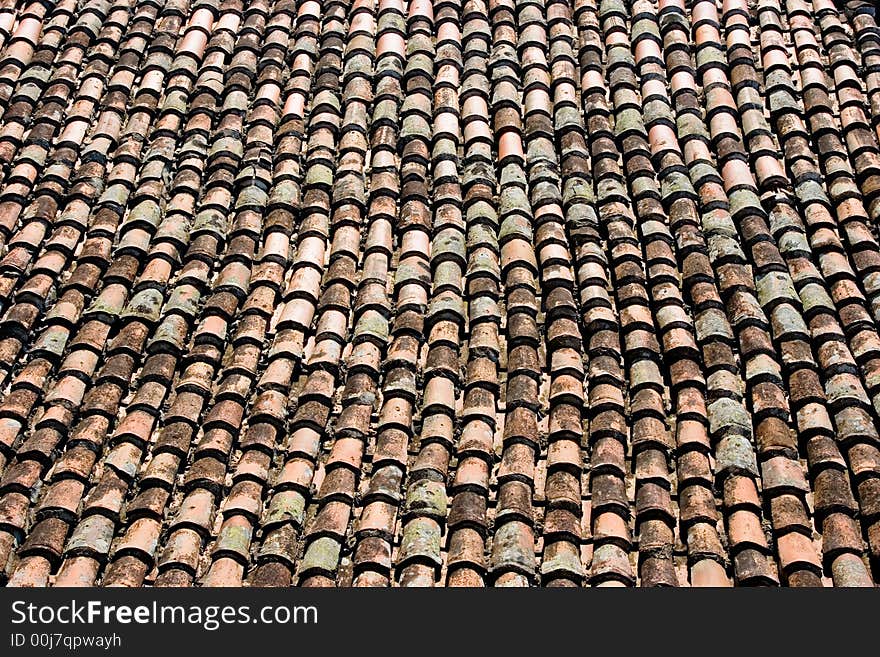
(481, 293)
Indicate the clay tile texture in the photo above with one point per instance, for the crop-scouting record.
(465, 293)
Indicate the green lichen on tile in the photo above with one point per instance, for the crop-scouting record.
(810, 191)
(321, 555)
(116, 194)
(308, 46)
(628, 120)
(372, 324)
(421, 539)
(443, 149)
(447, 275)
(744, 201)
(211, 220)
(194, 146)
(483, 262)
(475, 171)
(512, 175)
(644, 372)
(793, 242)
(690, 125)
(563, 562)
(850, 571)
(581, 215)
(777, 77)
(676, 183)
(657, 110)
(175, 101)
(421, 45)
(514, 206)
(503, 52)
(163, 59)
(482, 233)
(449, 242)
(252, 196)
(92, 535)
(788, 320)
(53, 340)
(174, 227)
(286, 506)
(36, 75)
(545, 192)
(774, 286)
(358, 62)
(717, 222)
(235, 539)
(236, 100)
(229, 146)
(712, 323)
(727, 414)
(426, 497)
(815, 296)
(145, 305)
(515, 226)
(483, 308)
(723, 246)
(385, 111)
(643, 27)
(413, 272)
(710, 56)
(841, 186)
(475, 83)
(391, 21)
(319, 175)
(735, 453)
(447, 307)
(779, 100)
(610, 188)
(644, 186)
(753, 120)
(414, 126)
(567, 116)
(508, 551)
(184, 300)
(285, 193)
(349, 187)
(539, 152)
(608, 8)
(90, 22)
(842, 388)
(101, 306)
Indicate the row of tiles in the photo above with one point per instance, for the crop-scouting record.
(484, 293)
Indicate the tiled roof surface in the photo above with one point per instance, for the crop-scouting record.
(463, 292)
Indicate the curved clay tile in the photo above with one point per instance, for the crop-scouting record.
(459, 293)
